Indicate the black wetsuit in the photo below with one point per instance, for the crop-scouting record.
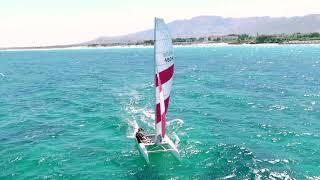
(139, 137)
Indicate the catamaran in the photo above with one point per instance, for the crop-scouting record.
(164, 70)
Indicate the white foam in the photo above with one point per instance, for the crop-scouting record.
(278, 107)
(229, 176)
(179, 121)
(308, 134)
(272, 175)
(148, 114)
(18, 158)
(138, 115)
(313, 177)
(283, 175)
(133, 126)
(275, 161)
(293, 144)
(177, 139)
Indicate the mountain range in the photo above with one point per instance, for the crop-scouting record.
(204, 26)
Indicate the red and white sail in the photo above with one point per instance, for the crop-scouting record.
(164, 69)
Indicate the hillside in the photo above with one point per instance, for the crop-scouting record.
(203, 26)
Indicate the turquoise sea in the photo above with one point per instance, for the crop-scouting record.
(241, 112)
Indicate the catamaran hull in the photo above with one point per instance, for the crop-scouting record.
(174, 150)
(143, 151)
(143, 148)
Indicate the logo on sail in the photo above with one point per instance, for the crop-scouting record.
(168, 56)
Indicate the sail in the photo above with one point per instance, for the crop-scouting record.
(164, 69)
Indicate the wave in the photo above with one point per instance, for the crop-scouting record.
(275, 161)
(148, 114)
(277, 107)
(230, 176)
(177, 121)
(309, 106)
(265, 173)
(313, 177)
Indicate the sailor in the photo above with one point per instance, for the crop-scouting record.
(141, 137)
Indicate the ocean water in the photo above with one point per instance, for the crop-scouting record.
(239, 111)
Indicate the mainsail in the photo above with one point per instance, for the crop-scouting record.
(164, 68)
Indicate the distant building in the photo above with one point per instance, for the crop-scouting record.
(231, 37)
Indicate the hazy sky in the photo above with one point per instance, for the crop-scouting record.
(50, 22)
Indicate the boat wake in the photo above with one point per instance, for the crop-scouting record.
(142, 115)
(176, 121)
(133, 126)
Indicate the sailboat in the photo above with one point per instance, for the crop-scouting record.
(164, 70)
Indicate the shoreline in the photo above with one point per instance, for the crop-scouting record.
(194, 45)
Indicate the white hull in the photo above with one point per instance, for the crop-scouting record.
(166, 146)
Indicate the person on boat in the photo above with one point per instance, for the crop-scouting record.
(141, 137)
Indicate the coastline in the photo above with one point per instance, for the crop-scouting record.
(191, 45)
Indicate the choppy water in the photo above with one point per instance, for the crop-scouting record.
(239, 111)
